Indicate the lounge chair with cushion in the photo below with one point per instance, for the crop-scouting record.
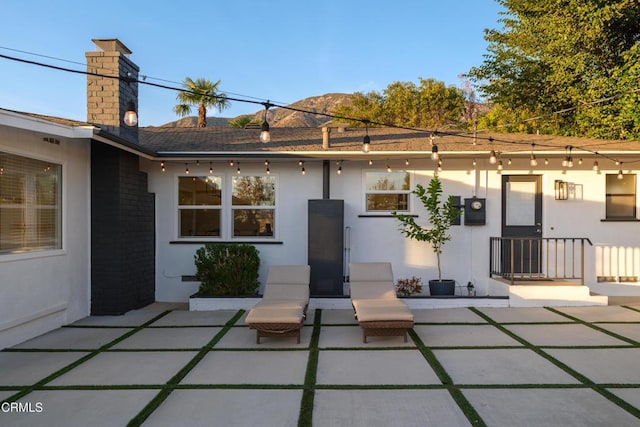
(283, 307)
(373, 296)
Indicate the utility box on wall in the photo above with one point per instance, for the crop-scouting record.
(475, 211)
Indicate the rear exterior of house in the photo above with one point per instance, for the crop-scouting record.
(100, 219)
(591, 222)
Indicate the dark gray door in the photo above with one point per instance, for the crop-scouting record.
(522, 223)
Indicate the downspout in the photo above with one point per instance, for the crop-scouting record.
(326, 168)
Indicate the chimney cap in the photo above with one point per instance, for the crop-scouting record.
(111, 45)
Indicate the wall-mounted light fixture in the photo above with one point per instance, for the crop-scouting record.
(561, 189)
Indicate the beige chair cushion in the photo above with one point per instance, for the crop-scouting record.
(360, 304)
(274, 315)
(288, 291)
(382, 313)
(371, 280)
(289, 274)
(284, 303)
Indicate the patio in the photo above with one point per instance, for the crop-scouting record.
(165, 366)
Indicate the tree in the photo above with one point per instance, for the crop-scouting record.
(431, 104)
(203, 93)
(242, 121)
(442, 214)
(581, 56)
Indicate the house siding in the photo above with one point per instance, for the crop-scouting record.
(465, 257)
(40, 291)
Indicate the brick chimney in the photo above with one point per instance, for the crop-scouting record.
(107, 98)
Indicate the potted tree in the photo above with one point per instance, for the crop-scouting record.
(441, 217)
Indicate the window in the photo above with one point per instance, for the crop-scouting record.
(200, 204)
(30, 204)
(253, 201)
(621, 196)
(387, 191)
(213, 207)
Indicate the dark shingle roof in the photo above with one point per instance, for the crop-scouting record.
(222, 140)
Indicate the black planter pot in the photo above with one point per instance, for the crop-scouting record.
(442, 287)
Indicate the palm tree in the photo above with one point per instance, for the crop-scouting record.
(203, 93)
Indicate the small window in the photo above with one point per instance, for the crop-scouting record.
(253, 200)
(30, 204)
(621, 196)
(200, 204)
(387, 191)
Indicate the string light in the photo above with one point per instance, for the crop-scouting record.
(533, 161)
(302, 170)
(129, 79)
(474, 163)
(546, 161)
(500, 167)
(238, 170)
(230, 162)
(366, 141)
(434, 149)
(440, 165)
(596, 167)
(406, 162)
(370, 162)
(509, 162)
(388, 168)
(186, 168)
(620, 174)
(265, 135)
(162, 167)
(210, 169)
(492, 157)
(339, 172)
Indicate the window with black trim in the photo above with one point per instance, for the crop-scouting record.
(621, 196)
(30, 204)
(387, 191)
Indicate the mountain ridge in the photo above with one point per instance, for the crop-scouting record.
(281, 117)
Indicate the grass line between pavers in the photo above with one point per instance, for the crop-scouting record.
(182, 373)
(305, 418)
(83, 359)
(583, 379)
(631, 308)
(465, 406)
(596, 327)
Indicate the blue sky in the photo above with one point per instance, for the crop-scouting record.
(282, 50)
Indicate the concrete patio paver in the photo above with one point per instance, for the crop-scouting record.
(602, 314)
(464, 336)
(383, 408)
(75, 338)
(630, 395)
(523, 315)
(548, 407)
(501, 366)
(603, 365)
(95, 408)
(351, 337)
(563, 335)
(229, 408)
(631, 331)
(28, 368)
(243, 337)
(447, 315)
(125, 368)
(195, 318)
(168, 338)
(250, 367)
(369, 367)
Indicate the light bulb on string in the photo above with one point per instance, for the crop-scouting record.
(162, 167)
(210, 168)
(186, 168)
(265, 134)
(620, 174)
(492, 157)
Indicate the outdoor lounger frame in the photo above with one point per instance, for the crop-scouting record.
(378, 310)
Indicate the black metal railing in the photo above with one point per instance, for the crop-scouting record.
(538, 258)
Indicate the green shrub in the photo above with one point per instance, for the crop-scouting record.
(227, 269)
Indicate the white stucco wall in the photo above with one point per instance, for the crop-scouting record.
(465, 257)
(40, 291)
